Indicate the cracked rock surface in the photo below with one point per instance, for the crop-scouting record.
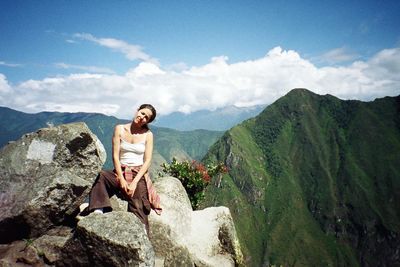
(44, 176)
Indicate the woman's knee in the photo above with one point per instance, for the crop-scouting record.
(106, 175)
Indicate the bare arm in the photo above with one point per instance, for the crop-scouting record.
(148, 153)
(116, 145)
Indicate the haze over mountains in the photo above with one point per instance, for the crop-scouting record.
(314, 181)
(218, 120)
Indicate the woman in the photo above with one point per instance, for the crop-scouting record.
(132, 148)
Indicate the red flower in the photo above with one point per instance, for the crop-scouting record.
(200, 168)
(206, 177)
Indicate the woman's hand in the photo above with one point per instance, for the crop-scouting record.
(122, 183)
(131, 188)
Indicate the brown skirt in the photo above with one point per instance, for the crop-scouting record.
(106, 185)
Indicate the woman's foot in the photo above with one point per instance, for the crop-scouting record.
(99, 211)
(83, 210)
(83, 206)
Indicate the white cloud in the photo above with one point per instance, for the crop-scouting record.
(386, 63)
(339, 55)
(92, 69)
(80, 107)
(178, 67)
(5, 90)
(3, 63)
(213, 85)
(131, 52)
(4, 86)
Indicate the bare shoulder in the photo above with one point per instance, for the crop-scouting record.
(149, 134)
(117, 129)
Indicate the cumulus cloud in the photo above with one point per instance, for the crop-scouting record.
(214, 85)
(180, 66)
(4, 86)
(131, 52)
(5, 90)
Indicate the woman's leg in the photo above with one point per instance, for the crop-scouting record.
(105, 186)
(139, 203)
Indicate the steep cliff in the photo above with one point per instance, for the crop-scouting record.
(314, 181)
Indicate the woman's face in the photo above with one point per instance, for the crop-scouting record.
(143, 116)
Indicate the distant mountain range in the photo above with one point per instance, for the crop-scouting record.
(220, 119)
(168, 142)
(314, 181)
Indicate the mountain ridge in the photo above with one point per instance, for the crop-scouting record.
(309, 179)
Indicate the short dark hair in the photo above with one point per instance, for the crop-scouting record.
(152, 109)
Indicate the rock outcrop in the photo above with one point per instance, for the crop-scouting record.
(43, 251)
(183, 237)
(112, 239)
(43, 178)
(46, 175)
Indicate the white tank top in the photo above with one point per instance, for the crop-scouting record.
(132, 154)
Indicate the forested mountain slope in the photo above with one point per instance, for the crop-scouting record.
(314, 181)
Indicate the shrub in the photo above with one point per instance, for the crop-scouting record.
(194, 176)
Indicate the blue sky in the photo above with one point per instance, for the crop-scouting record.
(191, 55)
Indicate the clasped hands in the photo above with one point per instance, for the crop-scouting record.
(127, 189)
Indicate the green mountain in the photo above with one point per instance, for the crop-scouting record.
(184, 144)
(314, 181)
(168, 143)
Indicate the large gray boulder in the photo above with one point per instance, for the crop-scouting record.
(116, 239)
(213, 240)
(168, 232)
(44, 176)
(112, 239)
(183, 237)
